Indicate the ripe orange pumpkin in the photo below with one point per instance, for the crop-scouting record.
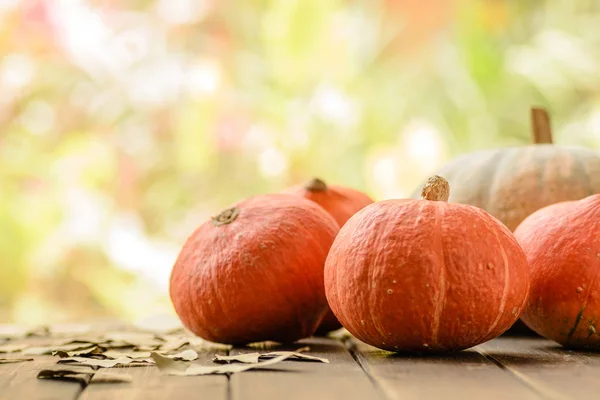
(342, 203)
(339, 201)
(511, 183)
(425, 275)
(562, 245)
(255, 272)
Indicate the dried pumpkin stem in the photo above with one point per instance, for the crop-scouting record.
(316, 185)
(226, 217)
(435, 188)
(540, 122)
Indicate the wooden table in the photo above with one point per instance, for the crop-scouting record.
(505, 368)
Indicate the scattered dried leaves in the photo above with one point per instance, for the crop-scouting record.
(252, 358)
(112, 354)
(179, 368)
(41, 350)
(186, 355)
(107, 363)
(87, 351)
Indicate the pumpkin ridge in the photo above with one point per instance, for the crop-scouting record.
(440, 297)
(506, 284)
(191, 282)
(372, 293)
(214, 280)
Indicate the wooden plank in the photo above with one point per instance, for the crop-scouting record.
(555, 372)
(463, 375)
(19, 381)
(149, 384)
(342, 378)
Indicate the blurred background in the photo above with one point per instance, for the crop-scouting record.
(124, 124)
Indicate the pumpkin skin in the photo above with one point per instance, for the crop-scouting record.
(425, 276)
(255, 272)
(562, 245)
(342, 203)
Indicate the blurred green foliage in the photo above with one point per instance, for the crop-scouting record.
(125, 124)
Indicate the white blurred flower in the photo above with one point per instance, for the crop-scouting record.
(258, 137)
(156, 83)
(422, 143)
(384, 174)
(38, 118)
(85, 213)
(7, 5)
(16, 71)
(179, 12)
(335, 106)
(203, 78)
(272, 162)
(129, 248)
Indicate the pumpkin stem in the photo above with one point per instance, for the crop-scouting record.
(435, 188)
(226, 217)
(540, 122)
(316, 185)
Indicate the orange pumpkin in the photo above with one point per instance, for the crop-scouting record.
(425, 275)
(342, 203)
(562, 245)
(255, 272)
(339, 201)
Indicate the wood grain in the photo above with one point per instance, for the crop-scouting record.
(463, 375)
(19, 381)
(342, 378)
(554, 372)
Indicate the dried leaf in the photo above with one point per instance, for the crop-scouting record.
(180, 368)
(186, 355)
(14, 360)
(91, 339)
(131, 354)
(92, 350)
(250, 358)
(12, 347)
(106, 363)
(113, 344)
(103, 376)
(41, 350)
(246, 358)
(66, 375)
(293, 357)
